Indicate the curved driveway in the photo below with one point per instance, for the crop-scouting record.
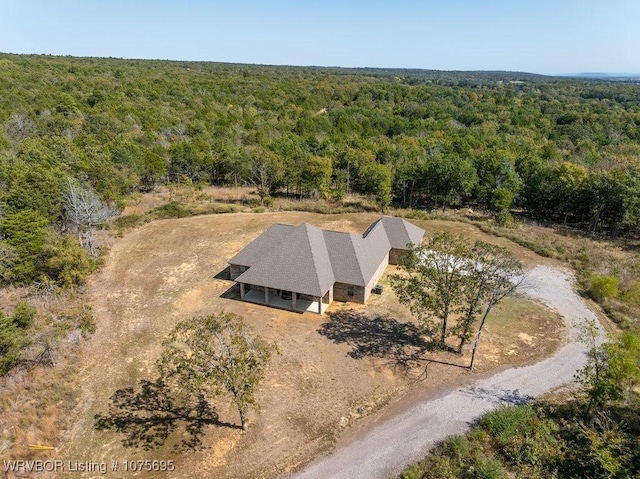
(390, 447)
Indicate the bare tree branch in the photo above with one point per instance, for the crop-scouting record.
(84, 212)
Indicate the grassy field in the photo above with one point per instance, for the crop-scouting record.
(163, 272)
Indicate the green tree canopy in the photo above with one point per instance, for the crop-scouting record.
(216, 355)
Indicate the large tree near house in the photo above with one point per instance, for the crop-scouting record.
(451, 287)
(214, 356)
(432, 282)
(493, 275)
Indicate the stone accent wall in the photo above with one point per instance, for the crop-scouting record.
(341, 293)
(236, 270)
(396, 255)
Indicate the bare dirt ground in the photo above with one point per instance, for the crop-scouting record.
(320, 384)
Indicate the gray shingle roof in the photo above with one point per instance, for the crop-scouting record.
(344, 261)
(371, 250)
(262, 245)
(300, 262)
(399, 231)
(308, 260)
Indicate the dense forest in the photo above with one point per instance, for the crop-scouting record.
(567, 150)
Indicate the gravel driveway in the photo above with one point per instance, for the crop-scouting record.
(406, 438)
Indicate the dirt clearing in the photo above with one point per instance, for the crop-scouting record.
(318, 386)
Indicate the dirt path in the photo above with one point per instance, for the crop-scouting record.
(390, 447)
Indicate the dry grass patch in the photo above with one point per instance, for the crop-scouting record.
(37, 396)
(35, 407)
(593, 259)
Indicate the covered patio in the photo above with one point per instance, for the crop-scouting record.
(274, 298)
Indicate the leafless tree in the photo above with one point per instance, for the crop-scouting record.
(18, 127)
(84, 212)
(259, 176)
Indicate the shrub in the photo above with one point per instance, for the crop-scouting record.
(338, 194)
(172, 209)
(505, 219)
(603, 287)
(456, 447)
(221, 208)
(25, 232)
(418, 215)
(79, 318)
(535, 444)
(435, 466)
(23, 314)
(13, 341)
(252, 202)
(490, 469)
(632, 295)
(68, 264)
(268, 201)
(503, 423)
(86, 321)
(128, 221)
(414, 472)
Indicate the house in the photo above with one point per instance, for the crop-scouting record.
(306, 268)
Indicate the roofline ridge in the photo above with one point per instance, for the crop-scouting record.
(386, 233)
(355, 252)
(371, 227)
(305, 225)
(313, 254)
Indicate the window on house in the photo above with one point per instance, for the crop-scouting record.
(351, 291)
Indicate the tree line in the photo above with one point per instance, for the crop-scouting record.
(558, 149)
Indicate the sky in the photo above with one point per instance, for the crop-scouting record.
(538, 36)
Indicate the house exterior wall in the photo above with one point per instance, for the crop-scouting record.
(376, 276)
(236, 270)
(340, 293)
(328, 297)
(396, 255)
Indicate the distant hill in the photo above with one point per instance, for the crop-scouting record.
(606, 76)
(480, 76)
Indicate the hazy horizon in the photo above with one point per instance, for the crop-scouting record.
(541, 37)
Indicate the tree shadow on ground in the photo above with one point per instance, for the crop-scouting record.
(383, 337)
(498, 396)
(148, 414)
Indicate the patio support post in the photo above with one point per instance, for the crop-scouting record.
(266, 295)
(294, 299)
(241, 290)
(319, 304)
